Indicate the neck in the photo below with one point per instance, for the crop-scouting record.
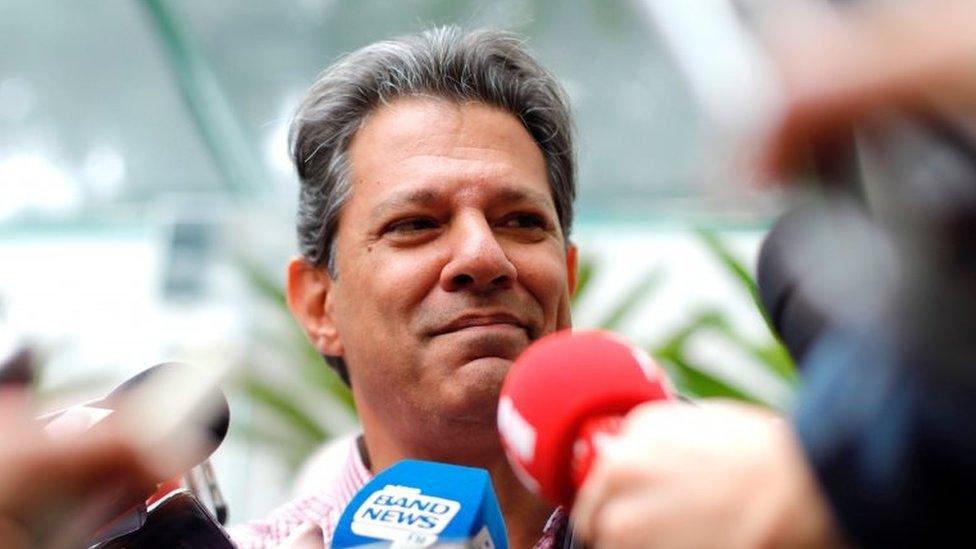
(525, 514)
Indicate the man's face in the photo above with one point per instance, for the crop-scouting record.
(450, 259)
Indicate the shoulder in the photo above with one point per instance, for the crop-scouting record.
(322, 510)
(322, 503)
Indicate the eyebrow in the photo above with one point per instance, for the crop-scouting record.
(427, 197)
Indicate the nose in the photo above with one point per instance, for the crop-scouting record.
(478, 262)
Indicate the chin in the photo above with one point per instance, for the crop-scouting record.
(484, 376)
(476, 386)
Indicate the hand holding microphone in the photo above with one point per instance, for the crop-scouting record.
(722, 475)
(563, 398)
(64, 475)
(45, 483)
(663, 473)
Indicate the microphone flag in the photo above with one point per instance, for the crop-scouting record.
(421, 503)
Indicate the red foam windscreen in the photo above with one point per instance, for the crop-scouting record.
(557, 384)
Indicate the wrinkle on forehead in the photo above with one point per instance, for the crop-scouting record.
(430, 146)
(431, 196)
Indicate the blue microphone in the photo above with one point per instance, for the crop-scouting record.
(422, 503)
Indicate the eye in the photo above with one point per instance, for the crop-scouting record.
(525, 221)
(411, 226)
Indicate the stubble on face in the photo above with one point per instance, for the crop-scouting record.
(470, 170)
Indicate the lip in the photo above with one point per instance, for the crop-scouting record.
(480, 320)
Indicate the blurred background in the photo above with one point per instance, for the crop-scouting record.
(147, 204)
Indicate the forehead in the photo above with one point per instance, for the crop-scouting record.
(424, 146)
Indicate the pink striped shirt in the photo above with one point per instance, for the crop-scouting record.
(324, 508)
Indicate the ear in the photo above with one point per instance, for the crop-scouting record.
(572, 257)
(309, 295)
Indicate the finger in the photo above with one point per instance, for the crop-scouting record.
(72, 487)
(81, 522)
(786, 148)
(104, 456)
(653, 418)
(78, 469)
(617, 469)
(13, 535)
(14, 406)
(628, 521)
(625, 460)
(592, 495)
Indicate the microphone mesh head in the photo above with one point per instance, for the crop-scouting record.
(558, 383)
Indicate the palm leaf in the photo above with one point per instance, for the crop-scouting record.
(631, 299)
(692, 380)
(317, 371)
(266, 287)
(689, 377)
(773, 356)
(778, 359)
(735, 268)
(584, 274)
(292, 448)
(313, 366)
(676, 341)
(283, 405)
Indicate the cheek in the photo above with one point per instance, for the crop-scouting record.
(544, 275)
(389, 282)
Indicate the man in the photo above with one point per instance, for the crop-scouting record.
(437, 177)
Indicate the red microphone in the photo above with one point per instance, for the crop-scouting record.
(563, 397)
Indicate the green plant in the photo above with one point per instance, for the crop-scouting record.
(295, 428)
(692, 378)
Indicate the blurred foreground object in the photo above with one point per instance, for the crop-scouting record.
(776, 81)
(65, 474)
(16, 366)
(719, 475)
(872, 281)
(563, 398)
(876, 291)
(561, 409)
(54, 493)
(839, 67)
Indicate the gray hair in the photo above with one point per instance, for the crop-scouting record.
(487, 66)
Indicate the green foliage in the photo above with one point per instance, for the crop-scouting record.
(304, 371)
(584, 273)
(736, 269)
(630, 299)
(673, 352)
(690, 377)
(695, 380)
(284, 406)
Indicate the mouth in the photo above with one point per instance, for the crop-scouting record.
(478, 322)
